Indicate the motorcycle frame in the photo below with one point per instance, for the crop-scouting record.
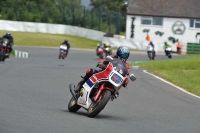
(96, 79)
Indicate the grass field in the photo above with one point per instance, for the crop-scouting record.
(182, 72)
(53, 40)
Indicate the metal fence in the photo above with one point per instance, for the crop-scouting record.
(61, 13)
(193, 48)
(97, 19)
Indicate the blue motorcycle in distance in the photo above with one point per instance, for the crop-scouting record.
(168, 51)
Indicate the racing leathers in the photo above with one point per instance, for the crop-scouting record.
(9, 46)
(102, 64)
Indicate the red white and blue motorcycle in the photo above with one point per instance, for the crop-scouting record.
(100, 88)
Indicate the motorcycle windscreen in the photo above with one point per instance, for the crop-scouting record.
(119, 66)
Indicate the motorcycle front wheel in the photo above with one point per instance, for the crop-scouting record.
(73, 106)
(96, 107)
(150, 54)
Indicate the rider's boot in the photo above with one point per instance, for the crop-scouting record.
(89, 73)
(80, 84)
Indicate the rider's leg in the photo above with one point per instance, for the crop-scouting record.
(88, 74)
(166, 52)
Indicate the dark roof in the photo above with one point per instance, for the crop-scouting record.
(165, 8)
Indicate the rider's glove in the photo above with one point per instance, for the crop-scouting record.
(124, 85)
(115, 96)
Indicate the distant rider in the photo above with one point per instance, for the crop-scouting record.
(105, 46)
(98, 46)
(165, 46)
(154, 52)
(122, 53)
(65, 42)
(10, 38)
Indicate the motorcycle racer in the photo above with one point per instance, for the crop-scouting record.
(165, 46)
(122, 53)
(98, 46)
(10, 38)
(66, 42)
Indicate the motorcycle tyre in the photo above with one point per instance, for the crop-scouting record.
(73, 106)
(150, 54)
(101, 56)
(60, 55)
(2, 56)
(101, 103)
(110, 52)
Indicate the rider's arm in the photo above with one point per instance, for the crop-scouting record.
(12, 40)
(128, 68)
(164, 46)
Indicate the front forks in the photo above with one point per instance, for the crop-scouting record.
(102, 87)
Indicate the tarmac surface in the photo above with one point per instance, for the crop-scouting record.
(34, 96)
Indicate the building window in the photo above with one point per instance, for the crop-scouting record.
(195, 23)
(152, 21)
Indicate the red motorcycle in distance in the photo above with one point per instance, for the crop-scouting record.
(100, 53)
(4, 49)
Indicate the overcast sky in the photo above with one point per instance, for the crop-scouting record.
(85, 2)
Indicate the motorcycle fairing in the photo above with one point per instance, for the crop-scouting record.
(63, 48)
(168, 48)
(100, 51)
(109, 74)
(149, 48)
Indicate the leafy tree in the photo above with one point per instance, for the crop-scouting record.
(69, 12)
(112, 5)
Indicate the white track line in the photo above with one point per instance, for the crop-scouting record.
(145, 71)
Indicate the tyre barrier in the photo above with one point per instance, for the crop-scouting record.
(20, 54)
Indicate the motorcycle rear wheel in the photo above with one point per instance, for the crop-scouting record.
(59, 55)
(2, 56)
(73, 106)
(96, 107)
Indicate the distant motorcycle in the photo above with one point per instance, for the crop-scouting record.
(100, 53)
(150, 52)
(4, 49)
(168, 51)
(63, 51)
(107, 51)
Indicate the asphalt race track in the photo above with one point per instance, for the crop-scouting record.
(34, 96)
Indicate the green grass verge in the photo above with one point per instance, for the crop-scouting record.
(182, 72)
(51, 40)
(12, 53)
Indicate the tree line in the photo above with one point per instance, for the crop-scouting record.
(103, 15)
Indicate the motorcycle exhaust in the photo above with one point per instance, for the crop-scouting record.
(71, 88)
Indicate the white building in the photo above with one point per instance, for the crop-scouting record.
(178, 19)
